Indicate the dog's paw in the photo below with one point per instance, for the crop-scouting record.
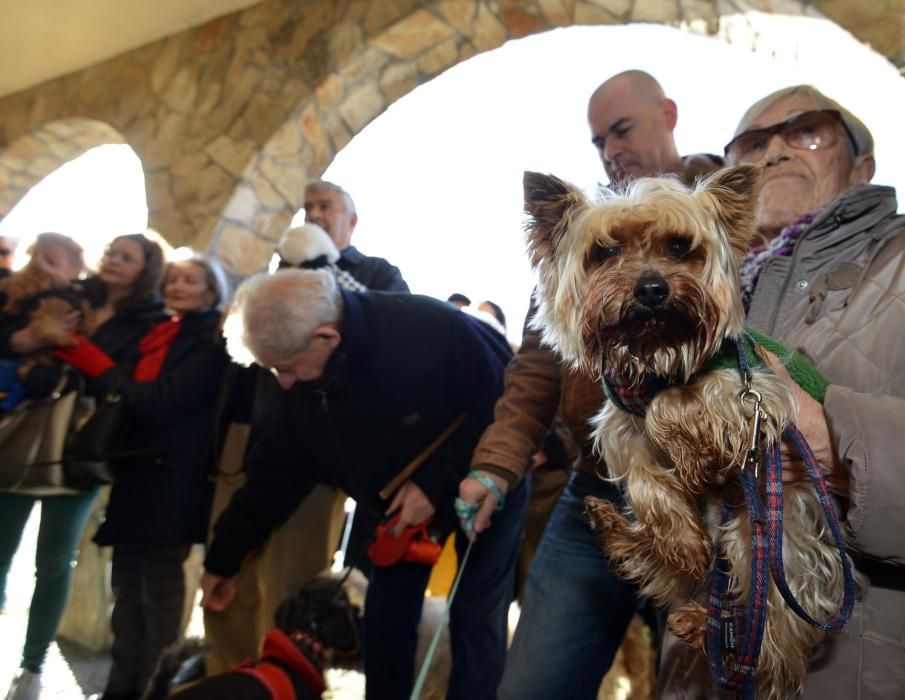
(621, 539)
(604, 515)
(689, 623)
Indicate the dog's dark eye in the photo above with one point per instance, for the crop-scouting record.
(678, 247)
(600, 253)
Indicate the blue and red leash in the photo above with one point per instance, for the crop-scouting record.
(735, 633)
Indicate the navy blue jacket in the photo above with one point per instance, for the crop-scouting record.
(161, 496)
(374, 273)
(406, 368)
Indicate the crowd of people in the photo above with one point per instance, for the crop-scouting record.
(420, 412)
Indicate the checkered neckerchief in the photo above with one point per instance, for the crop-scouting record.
(633, 396)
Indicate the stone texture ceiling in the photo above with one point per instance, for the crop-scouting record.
(44, 39)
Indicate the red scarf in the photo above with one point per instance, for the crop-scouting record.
(153, 349)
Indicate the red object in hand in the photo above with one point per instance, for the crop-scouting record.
(86, 357)
(414, 544)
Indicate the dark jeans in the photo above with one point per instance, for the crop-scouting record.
(478, 619)
(148, 599)
(575, 611)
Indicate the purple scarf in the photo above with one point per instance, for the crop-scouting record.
(781, 246)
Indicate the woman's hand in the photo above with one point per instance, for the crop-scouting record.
(811, 421)
(25, 342)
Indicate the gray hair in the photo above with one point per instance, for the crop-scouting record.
(325, 185)
(862, 141)
(274, 316)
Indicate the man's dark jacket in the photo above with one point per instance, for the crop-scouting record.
(406, 368)
(374, 273)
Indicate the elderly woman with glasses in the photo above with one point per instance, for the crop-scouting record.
(827, 277)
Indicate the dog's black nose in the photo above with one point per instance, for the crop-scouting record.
(651, 289)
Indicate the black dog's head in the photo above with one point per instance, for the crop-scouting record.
(322, 610)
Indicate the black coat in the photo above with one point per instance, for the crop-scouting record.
(161, 496)
(406, 368)
(374, 273)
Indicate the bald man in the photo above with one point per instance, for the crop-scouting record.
(574, 610)
(632, 123)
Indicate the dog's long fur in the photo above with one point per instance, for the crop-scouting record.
(688, 244)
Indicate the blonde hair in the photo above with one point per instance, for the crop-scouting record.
(75, 251)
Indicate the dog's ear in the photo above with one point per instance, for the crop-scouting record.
(735, 192)
(550, 204)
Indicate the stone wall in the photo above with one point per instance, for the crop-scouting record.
(231, 119)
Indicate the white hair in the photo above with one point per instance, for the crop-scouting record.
(274, 316)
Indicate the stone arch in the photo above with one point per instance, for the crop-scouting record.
(31, 158)
(383, 55)
(232, 118)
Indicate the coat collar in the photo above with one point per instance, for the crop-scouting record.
(351, 256)
(353, 358)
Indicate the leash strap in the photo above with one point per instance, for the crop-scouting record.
(429, 657)
(725, 620)
(775, 512)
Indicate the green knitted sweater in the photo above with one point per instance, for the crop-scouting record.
(805, 374)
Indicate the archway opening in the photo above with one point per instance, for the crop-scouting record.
(437, 177)
(91, 198)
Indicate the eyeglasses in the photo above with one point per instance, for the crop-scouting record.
(811, 131)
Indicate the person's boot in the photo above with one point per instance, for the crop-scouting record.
(25, 686)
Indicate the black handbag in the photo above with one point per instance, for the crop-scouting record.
(93, 445)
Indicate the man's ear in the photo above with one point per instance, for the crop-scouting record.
(550, 204)
(670, 112)
(734, 190)
(862, 170)
(329, 333)
(353, 220)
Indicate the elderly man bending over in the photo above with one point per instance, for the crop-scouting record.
(382, 376)
(828, 278)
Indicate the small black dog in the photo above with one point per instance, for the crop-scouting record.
(315, 628)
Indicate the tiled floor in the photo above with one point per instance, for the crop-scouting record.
(71, 672)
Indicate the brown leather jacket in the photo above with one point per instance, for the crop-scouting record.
(538, 384)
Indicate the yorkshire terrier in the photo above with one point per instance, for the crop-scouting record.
(641, 291)
(45, 294)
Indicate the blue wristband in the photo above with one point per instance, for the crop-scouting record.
(490, 485)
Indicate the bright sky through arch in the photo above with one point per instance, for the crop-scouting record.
(92, 198)
(437, 177)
